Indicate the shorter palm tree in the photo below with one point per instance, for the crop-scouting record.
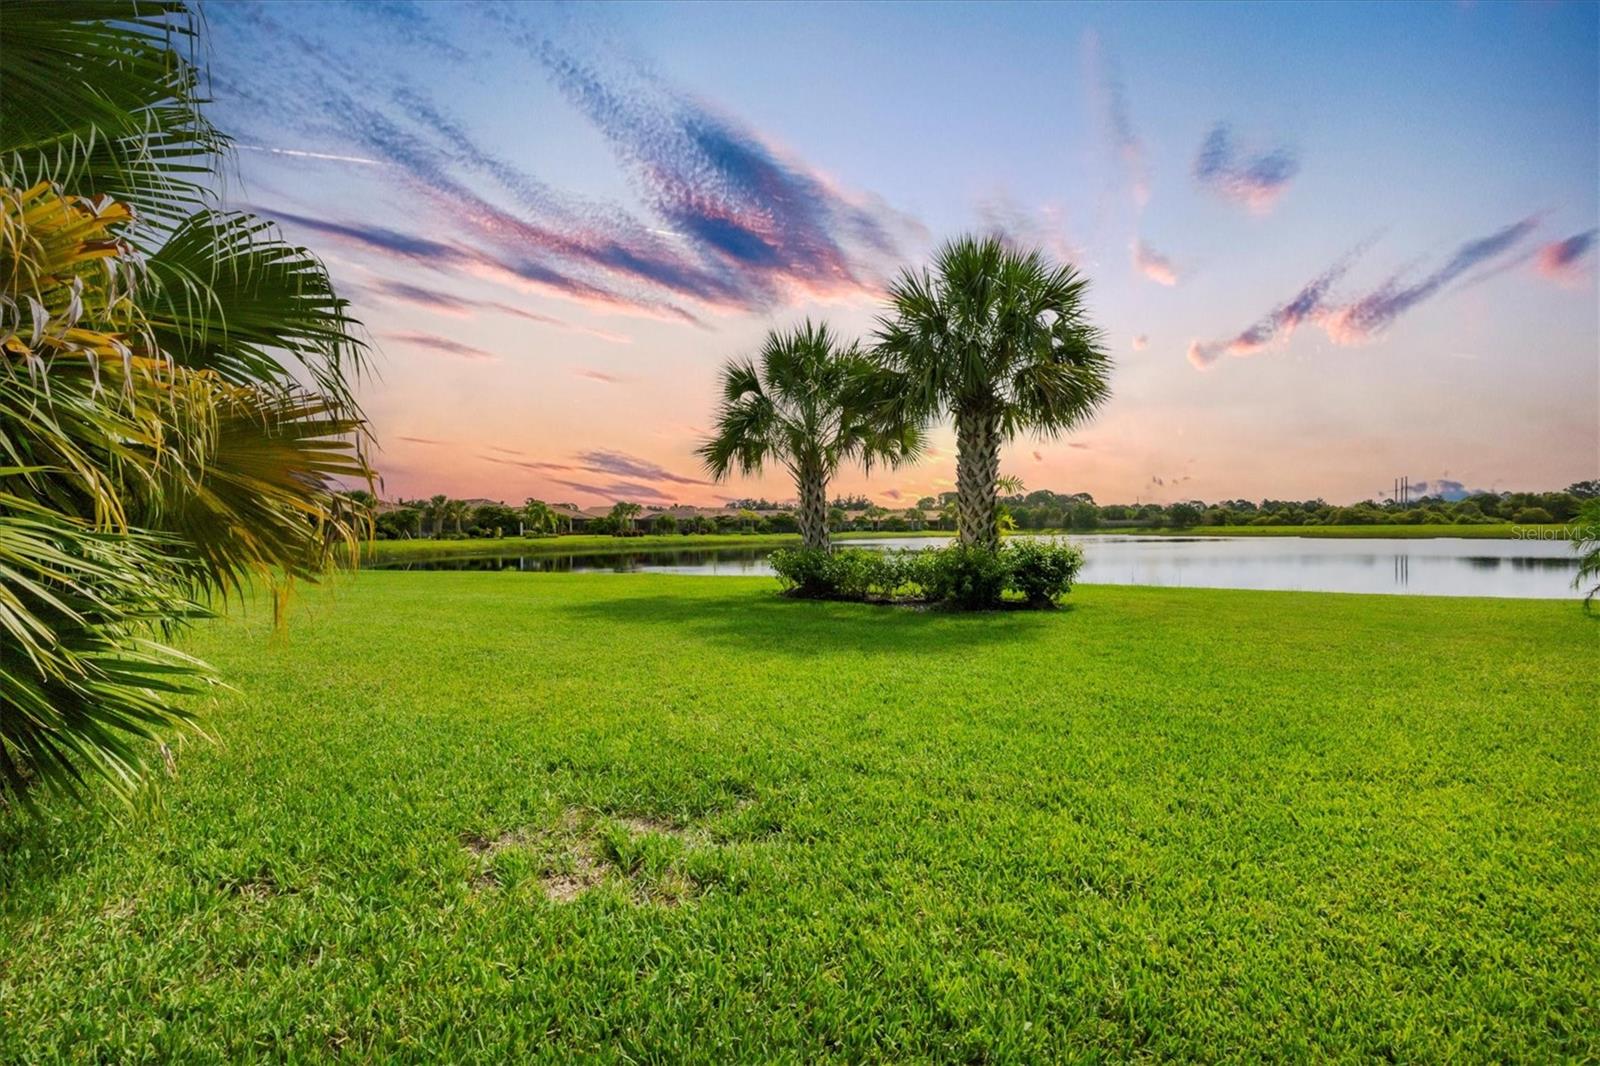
(811, 405)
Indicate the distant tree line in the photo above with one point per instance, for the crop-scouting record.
(1042, 509)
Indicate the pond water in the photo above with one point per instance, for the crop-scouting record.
(1430, 567)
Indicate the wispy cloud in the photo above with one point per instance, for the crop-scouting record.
(442, 345)
(624, 465)
(763, 225)
(1365, 318)
(444, 303)
(1562, 261)
(598, 375)
(423, 440)
(1253, 177)
(1107, 90)
(1042, 228)
(1153, 265)
(301, 153)
(1141, 341)
(739, 224)
(616, 490)
(1279, 323)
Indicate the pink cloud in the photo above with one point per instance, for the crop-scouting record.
(1153, 265)
(1141, 341)
(598, 375)
(1562, 261)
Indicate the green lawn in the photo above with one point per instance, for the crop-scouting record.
(1162, 823)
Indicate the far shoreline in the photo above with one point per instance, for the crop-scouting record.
(604, 544)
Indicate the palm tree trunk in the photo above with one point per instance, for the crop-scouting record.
(813, 517)
(977, 472)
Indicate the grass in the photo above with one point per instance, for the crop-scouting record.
(497, 817)
(601, 544)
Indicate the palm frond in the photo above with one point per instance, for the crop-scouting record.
(97, 99)
(227, 294)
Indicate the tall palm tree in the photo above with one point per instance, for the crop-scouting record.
(812, 404)
(456, 510)
(999, 340)
(159, 450)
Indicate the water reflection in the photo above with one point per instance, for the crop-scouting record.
(1434, 567)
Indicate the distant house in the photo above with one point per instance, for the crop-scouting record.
(570, 518)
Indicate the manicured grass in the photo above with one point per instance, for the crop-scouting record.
(1162, 823)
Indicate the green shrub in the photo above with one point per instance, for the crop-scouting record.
(1533, 514)
(966, 577)
(803, 572)
(1043, 571)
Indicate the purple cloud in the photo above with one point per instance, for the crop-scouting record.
(442, 345)
(1360, 321)
(623, 465)
(1253, 178)
(1277, 324)
(757, 218)
(616, 490)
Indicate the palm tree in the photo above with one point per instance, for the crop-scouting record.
(999, 340)
(813, 404)
(540, 518)
(437, 509)
(622, 516)
(176, 390)
(1586, 539)
(456, 510)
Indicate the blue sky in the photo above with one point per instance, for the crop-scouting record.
(1329, 244)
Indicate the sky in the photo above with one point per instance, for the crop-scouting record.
(1328, 245)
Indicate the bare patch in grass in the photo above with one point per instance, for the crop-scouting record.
(584, 850)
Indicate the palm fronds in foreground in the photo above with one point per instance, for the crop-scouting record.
(159, 449)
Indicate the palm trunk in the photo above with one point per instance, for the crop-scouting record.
(977, 472)
(813, 517)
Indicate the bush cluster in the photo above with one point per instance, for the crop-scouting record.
(974, 579)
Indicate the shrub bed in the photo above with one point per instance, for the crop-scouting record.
(1034, 573)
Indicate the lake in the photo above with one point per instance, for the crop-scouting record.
(1526, 569)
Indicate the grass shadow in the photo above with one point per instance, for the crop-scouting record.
(805, 628)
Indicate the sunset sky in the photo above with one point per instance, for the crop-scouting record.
(1329, 244)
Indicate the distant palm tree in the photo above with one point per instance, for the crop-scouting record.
(998, 339)
(456, 510)
(623, 514)
(437, 510)
(538, 516)
(812, 404)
